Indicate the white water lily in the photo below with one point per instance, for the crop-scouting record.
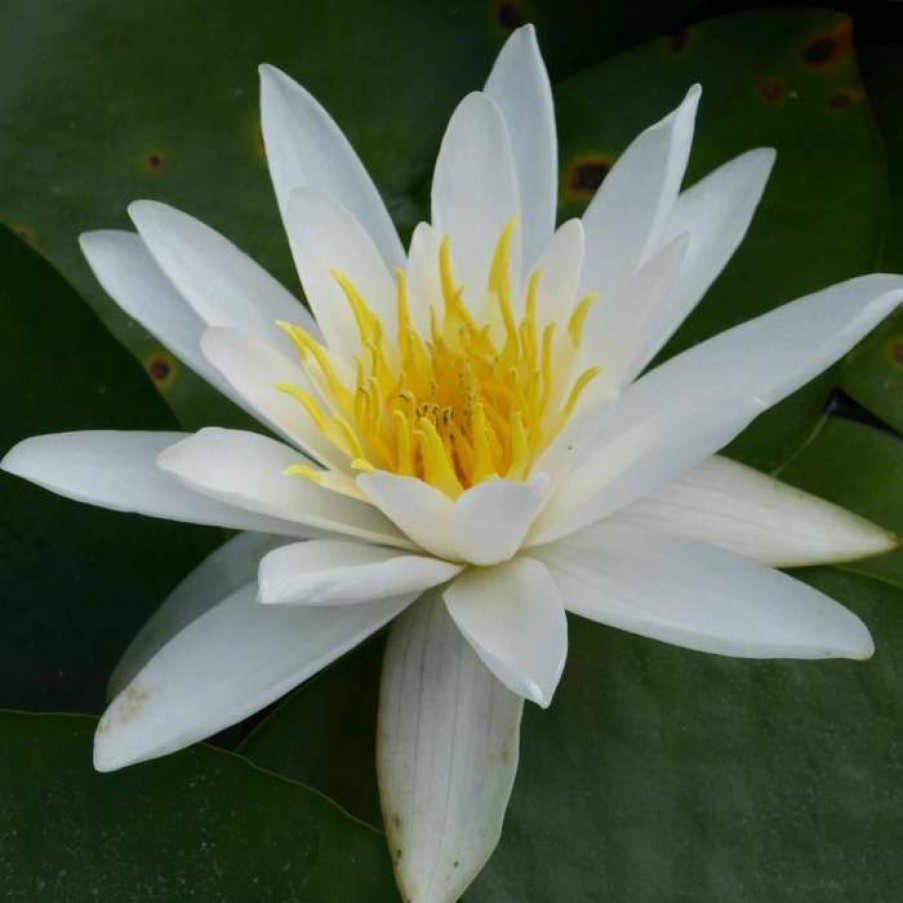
(466, 425)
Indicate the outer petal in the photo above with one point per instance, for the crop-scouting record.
(131, 277)
(512, 615)
(253, 369)
(325, 238)
(755, 515)
(446, 755)
(625, 222)
(519, 84)
(329, 572)
(475, 192)
(232, 566)
(424, 286)
(227, 664)
(223, 285)
(715, 212)
(683, 411)
(559, 265)
(617, 331)
(306, 148)
(489, 522)
(248, 470)
(699, 596)
(416, 508)
(118, 470)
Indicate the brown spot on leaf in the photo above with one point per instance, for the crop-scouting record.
(154, 162)
(679, 41)
(509, 15)
(585, 175)
(844, 98)
(162, 368)
(895, 351)
(772, 90)
(26, 235)
(825, 49)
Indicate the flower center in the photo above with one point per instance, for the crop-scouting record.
(471, 401)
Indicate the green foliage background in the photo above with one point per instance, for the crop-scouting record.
(659, 774)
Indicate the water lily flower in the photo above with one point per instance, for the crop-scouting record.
(468, 441)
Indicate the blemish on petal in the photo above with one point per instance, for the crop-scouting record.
(585, 175)
(772, 90)
(130, 703)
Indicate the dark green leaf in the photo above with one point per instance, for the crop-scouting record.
(822, 215)
(77, 582)
(200, 825)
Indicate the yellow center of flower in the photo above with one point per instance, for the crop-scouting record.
(471, 402)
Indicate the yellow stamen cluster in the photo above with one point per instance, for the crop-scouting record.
(468, 403)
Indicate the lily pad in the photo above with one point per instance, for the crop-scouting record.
(202, 825)
(770, 78)
(874, 375)
(103, 104)
(77, 581)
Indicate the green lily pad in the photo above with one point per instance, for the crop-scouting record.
(861, 469)
(874, 374)
(77, 581)
(769, 79)
(202, 825)
(668, 775)
(101, 105)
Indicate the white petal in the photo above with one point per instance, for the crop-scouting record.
(626, 220)
(424, 286)
(253, 369)
(755, 515)
(421, 512)
(223, 285)
(118, 470)
(617, 330)
(325, 237)
(131, 277)
(227, 664)
(513, 616)
(329, 572)
(489, 521)
(699, 596)
(248, 470)
(306, 148)
(694, 404)
(519, 84)
(715, 212)
(232, 566)
(446, 755)
(560, 266)
(475, 192)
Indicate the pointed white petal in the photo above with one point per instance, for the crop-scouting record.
(330, 572)
(118, 470)
(559, 265)
(446, 755)
(325, 238)
(475, 193)
(755, 515)
(253, 369)
(489, 521)
(424, 286)
(694, 404)
(248, 470)
(617, 330)
(421, 512)
(131, 277)
(699, 596)
(715, 212)
(519, 84)
(305, 147)
(227, 664)
(232, 566)
(513, 616)
(626, 220)
(223, 285)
